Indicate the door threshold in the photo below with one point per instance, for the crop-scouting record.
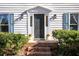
(39, 39)
(42, 41)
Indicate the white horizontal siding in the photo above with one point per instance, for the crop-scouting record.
(56, 8)
(20, 26)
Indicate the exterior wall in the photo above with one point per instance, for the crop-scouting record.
(59, 9)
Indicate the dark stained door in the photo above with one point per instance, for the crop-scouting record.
(39, 25)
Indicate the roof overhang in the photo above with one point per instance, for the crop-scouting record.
(38, 10)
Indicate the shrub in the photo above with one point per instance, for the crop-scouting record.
(10, 43)
(68, 41)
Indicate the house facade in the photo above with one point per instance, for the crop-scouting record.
(38, 19)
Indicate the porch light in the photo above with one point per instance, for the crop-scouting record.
(53, 17)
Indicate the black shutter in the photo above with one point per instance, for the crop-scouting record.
(46, 20)
(31, 21)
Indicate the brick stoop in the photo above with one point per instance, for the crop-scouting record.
(41, 48)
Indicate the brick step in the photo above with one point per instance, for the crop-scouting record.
(39, 53)
(38, 49)
(43, 45)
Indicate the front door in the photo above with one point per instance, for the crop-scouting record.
(39, 26)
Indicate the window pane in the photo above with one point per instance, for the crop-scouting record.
(30, 20)
(73, 27)
(4, 28)
(46, 20)
(73, 18)
(73, 21)
(4, 22)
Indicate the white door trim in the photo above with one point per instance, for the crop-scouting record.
(31, 29)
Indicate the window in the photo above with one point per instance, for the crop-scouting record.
(3, 23)
(31, 21)
(46, 20)
(73, 21)
(6, 22)
(70, 21)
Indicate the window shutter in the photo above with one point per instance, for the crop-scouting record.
(31, 21)
(47, 21)
(0, 22)
(66, 21)
(11, 22)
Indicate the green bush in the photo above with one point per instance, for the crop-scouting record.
(68, 42)
(10, 43)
